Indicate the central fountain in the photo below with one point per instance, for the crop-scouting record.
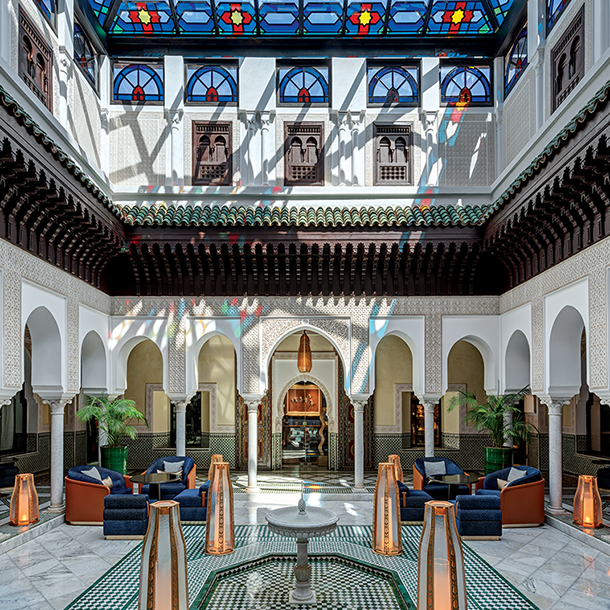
(302, 522)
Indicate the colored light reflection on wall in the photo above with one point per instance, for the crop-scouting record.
(441, 582)
(587, 503)
(163, 572)
(24, 501)
(387, 535)
(220, 530)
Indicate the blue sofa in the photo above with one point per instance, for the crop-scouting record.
(478, 516)
(194, 503)
(170, 490)
(125, 516)
(438, 491)
(412, 503)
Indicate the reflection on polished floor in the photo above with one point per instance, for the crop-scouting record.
(548, 567)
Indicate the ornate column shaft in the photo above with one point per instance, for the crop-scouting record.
(555, 407)
(429, 427)
(57, 453)
(359, 443)
(252, 404)
(181, 424)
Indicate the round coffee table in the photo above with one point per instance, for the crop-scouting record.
(454, 480)
(154, 480)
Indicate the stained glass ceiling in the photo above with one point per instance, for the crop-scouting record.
(268, 18)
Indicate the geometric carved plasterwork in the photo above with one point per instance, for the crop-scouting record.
(591, 263)
(17, 266)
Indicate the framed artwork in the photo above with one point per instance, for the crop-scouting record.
(303, 400)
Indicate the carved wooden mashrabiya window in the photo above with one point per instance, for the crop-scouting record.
(304, 154)
(35, 61)
(212, 153)
(568, 61)
(393, 154)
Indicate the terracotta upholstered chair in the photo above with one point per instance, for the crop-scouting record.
(170, 490)
(85, 494)
(522, 500)
(438, 491)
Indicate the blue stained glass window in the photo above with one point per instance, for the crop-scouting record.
(235, 18)
(195, 17)
(365, 17)
(138, 83)
(143, 18)
(554, 10)
(466, 85)
(278, 16)
(500, 9)
(211, 85)
(84, 55)
(394, 85)
(100, 9)
(322, 17)
(516, 61)
(302, 86)
(407, 17)
(458, 17)
(48, 9)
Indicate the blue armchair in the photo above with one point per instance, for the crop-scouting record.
(412, 503)
(170, 490)
(438, 491)
(194, 503)
(522, 500)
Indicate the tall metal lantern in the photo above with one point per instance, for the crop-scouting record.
(441, 580)
(387, 535)
(163, 573)
(304, 356)
(24, 501)
(220, 530)
(587, 503)
(215, 459)
(395, 459)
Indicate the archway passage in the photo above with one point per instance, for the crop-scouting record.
(305, 426)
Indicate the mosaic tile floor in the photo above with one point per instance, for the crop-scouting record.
(118, 588)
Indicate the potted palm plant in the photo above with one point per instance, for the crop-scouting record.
(491, 416)
(113, 417)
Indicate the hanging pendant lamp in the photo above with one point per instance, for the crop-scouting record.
(304, 355)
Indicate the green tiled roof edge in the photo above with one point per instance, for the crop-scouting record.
(600, 97)
(32, 127)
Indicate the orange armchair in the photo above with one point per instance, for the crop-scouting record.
(85, 498)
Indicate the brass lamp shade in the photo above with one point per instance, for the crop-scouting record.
(587, 503)
(441, 580)
(387, 535)
(24, 501)
(304, 356)
(395, 459)
(220, 530)
(215, 458)
(163, 572)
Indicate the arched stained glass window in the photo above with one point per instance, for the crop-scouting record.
(516, 61)
(84, 55)
(138, 83)
(212, 85)
(301, 86)
(554, 10)
(393, 86)
(48, 8)
(466, 85)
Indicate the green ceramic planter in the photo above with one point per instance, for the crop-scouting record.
(115, 458)
(497, 458)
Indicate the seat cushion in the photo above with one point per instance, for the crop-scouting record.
(434, 468)
(125, 514)
(189, 497)
(168, 490)
(117, 491)
(126, 501)
(204, 488)
(489, 492)
(438, 491)
(190, 513)
(125, 528)
(480, 502)
(479, 528)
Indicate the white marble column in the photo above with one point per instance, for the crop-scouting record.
(344, 138)
(180, 406)
(555, 407)
(252, 404)
(429, 427)
(359, 443)
(357, 177)
(57, 453)
(430, 174)
(266, 148)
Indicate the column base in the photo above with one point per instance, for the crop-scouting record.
(56, 509)
(356, 488)
(252, 490)
(556, 511)
(310, 600)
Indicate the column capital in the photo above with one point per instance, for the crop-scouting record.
(252, 401)
(429, 401)
(181, 402)
(554, 403)
(58, 404)
(359, 401)
(174, 116)
(428, 118)
(266, 118)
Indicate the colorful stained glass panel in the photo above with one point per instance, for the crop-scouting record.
(278, 17)
(516, 62)
(195, 17)
(458, 17)
(303, 85)
(100, 9)
(84, 55)
(500, 9)
(322, 17)
(48, 9)
(143, 17)
(393, 86)
(137, 83)
(365, 18)
(465, 85)
(211, 85)
(554, 10)
(407, 17)
(235, 18)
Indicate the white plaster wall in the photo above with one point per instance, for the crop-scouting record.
(519, 114)
(484, 333)
(91, 320)
(412, 330)
(519, 319)
(84, 114)
(348, 89)
(257, 83)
